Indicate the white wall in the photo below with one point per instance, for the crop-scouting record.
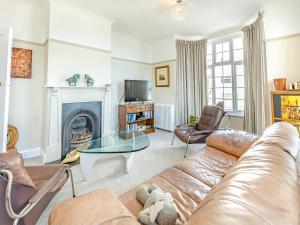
(26, 100)
(163, 50)
(125, 46)
(283, 59)
(74, 25)
(28, 19)
(66, 59)
(125, 70)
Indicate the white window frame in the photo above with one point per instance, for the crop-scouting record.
(235, 111)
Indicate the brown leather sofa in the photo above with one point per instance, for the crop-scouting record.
(237, 179)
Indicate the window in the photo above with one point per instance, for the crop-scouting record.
(225, 73)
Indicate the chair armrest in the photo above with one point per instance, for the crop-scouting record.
(48, 185)
(3, 165)
(195, 133)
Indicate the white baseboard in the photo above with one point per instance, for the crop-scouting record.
(31, 153)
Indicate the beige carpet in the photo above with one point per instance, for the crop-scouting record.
(110, 173)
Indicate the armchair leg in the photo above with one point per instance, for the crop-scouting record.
(187, 147)
(69, 171)
(173, 139)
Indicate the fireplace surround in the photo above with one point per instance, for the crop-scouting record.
(57, 96)
(81, 122)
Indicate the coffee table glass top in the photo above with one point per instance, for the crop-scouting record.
(122, 142)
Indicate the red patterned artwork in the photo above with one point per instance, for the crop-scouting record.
(21, 63)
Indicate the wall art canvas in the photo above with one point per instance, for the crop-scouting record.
(21, 63)
(162, 76)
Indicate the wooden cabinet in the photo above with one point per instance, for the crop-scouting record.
(286, 107)
(136, 117)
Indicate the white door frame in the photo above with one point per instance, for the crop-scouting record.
(6, 35)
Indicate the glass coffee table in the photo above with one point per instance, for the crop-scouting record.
(122, 143)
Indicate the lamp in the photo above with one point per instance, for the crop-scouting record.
(179, 11)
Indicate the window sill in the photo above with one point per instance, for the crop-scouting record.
(235, 114)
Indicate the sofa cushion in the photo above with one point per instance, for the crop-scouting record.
(189, 181)
(283, 135)
(15, 164)
(231, 141)
(98, 207)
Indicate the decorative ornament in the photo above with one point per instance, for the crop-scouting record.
(72, 81)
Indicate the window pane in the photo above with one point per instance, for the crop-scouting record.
(227, 81)
(226, 56)
(219, 93)
(219, 82)
(240, 93)
(219, 57)
(238, 43)
(209, 93)
(210, 101)
(239, 69)
(227, 93)
(240, 106)
(209, 83)
(209, 72)
(218, 71)
(209, 60)
(226, 46)
(240, 81)
(219, 48)
(228, 105)
(227, 70)
(209, 49)
(238, 55)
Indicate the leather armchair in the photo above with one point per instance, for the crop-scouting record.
(209, 121)
(25, 192)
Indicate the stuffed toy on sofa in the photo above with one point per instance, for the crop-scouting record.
(159, 207)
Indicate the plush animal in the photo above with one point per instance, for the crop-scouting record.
(73, 80)
(89, 81)
(159, 207)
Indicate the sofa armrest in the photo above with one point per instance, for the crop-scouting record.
(98, 207)
(231, 141)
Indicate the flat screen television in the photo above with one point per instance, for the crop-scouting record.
(138, 90)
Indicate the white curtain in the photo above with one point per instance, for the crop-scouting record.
(257, 102)
(191, 81)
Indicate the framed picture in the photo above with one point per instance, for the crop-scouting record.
(21, 63)
(162, 76)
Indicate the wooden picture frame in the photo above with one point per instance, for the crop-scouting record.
(162, 76)
(21, 63)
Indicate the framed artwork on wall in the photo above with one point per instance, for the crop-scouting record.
(162, 76)
(21, 63)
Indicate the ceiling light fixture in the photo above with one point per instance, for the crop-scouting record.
(179, 11)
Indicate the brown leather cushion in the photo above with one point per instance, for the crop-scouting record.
(211, 117)
(231, 141)
(283, 135)
(15, 164)
(94, 208)
(183, 135)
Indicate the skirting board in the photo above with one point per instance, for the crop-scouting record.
(31, 153)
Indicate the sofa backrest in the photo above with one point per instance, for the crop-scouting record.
(231, 141)
(262, 187)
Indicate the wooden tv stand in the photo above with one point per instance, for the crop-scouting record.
(141, 122)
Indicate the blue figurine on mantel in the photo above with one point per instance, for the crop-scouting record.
(72, 81)
(89, 81)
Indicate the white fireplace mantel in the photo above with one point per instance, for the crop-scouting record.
(58, 95)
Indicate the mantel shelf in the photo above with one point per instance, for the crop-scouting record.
(75, 87)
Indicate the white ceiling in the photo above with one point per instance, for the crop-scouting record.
(150, 19)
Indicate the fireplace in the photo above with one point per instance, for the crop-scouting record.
(81, 122)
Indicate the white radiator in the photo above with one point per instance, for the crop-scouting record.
(164, 116)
